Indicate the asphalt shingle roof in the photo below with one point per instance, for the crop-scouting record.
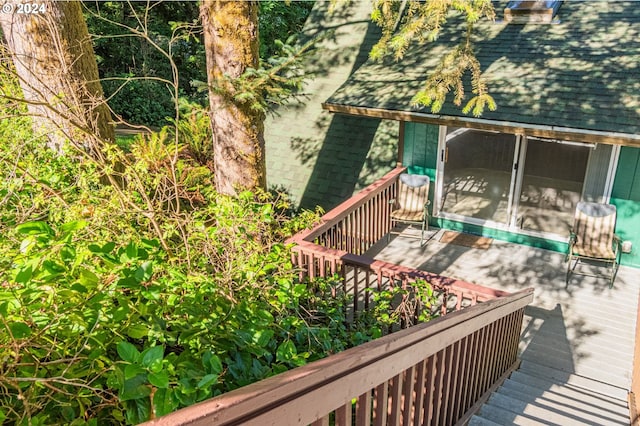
(581, 73)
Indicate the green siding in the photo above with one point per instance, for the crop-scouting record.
(626, 197)
(420, 148)
(420, 154)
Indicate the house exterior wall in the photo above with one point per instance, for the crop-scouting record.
(625, 195)
(420, 154)
(420, 157)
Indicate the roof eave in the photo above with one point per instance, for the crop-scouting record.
(526, 129)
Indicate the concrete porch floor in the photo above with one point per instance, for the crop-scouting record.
(583, 330)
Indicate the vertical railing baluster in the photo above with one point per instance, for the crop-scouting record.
(380, 404)
(395, 396)
(363, 409)
(420, 392)
(408, 397)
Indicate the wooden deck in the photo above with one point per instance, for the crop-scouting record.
(580, 333)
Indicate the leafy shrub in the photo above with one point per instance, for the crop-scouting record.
(123, 303)
(139, 101)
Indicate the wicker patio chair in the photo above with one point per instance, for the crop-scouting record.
(592, 238)
(410, 204)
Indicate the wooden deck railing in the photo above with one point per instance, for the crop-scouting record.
(430, 374)
(359, 222)
(336, 246)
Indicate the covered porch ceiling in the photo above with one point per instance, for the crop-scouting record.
(573, 80)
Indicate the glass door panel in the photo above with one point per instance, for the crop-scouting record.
(554, 174)
(477, 174)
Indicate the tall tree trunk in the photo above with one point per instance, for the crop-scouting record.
(232, 45)
(56, 65)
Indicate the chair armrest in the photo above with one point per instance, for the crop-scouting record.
(617, 244)
(392, 201)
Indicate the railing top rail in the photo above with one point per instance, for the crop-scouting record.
(437, 281)
(354, 369)
(336, 214)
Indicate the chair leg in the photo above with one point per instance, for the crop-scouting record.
(614, 272)
(569, 269)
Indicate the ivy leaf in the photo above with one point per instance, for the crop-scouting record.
(128, 352)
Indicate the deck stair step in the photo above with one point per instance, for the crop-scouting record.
(541, 395)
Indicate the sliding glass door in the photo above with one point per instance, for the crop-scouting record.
(521, 184)
(552, 180)
(477, 174)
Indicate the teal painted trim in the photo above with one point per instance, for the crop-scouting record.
(626, 185)
(501, 235)
(420, 145)
(628, 228)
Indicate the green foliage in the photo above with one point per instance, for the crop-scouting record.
(125, 301)
(448, 75)
(276, 81)
(404, 23)
(132, 40)
(139, 100)
(279, 20)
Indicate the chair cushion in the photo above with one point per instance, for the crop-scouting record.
(594, 228)
(407, 215)
(413, 193)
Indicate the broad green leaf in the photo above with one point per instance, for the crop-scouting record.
(144, 272)
(133, 370)
(159, 379)
(152, 356)
(211, 363)
(164, 401)
(74, 225)
(19, 330)
(24, 275)
(262, 337)
(286, 351)
(128, 352)
(88, 279)
(35, 228)
(137, 331)
(79, 288)
(138, 410)
(131, 250)
(94, 248)
(208, 380)
(135, 388)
